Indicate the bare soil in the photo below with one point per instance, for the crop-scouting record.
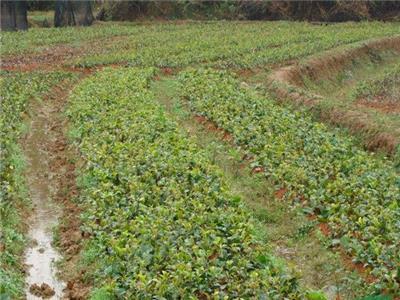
(49, 58)
(55, 56)
(41, 255)
(43, 291)
(51, 178)
(382, 105)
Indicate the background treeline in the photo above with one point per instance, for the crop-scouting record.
(83, 12)
(327, 11)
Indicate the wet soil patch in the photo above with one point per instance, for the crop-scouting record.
(69, 231)
(51, 177)
(41, 256)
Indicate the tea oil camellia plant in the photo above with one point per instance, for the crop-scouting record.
(158, 212)
(228, 44)
(356, 193)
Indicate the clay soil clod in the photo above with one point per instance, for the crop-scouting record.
(43, 291)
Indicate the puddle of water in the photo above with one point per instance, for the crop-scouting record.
(40, 260)
(41, 256)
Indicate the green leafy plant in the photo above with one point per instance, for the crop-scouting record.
(158, 212)
(356, 193)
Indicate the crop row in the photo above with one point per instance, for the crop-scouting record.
(36, 39)
(356, 193)
(16, 91)
(230, 44)
(162, 223)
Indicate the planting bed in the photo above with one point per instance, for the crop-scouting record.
(155, 206)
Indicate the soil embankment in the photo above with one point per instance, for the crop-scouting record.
(290, 84)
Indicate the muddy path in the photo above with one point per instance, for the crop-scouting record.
(48, 173)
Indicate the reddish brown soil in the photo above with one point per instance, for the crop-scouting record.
(212, 127)
(71, 236)
(257, 170)
(76, 290)
(53, 57)
(382, 105)
(324, 228)
(358, 267)
(167, 71)
(43, 291)
(246, 73)
(279, 194)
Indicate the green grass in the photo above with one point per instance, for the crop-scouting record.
(381, 87)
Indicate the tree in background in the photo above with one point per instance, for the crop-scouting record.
(14, 15)
(41, 5)
(72, 13)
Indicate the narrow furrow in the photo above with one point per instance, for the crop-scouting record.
(50, 179)
(28, 139)
(41, 256)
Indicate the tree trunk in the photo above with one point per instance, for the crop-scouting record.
(72, 13)
(14, 15)
(21, 9)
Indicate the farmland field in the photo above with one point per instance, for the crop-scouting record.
(201, 160)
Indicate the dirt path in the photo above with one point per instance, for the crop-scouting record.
(43, 147)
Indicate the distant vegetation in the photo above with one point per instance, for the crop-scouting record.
(326, 11)
(70, 13)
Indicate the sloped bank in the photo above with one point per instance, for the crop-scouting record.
(290, 84)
